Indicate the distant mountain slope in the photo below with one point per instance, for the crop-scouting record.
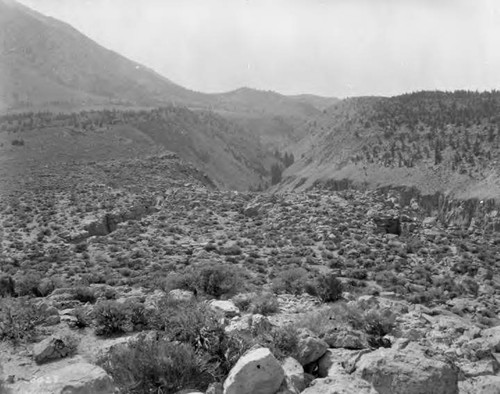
(437, 141)
(259, 102)
(318, 102)
(47, 64)
(45, 61)
(230, 156)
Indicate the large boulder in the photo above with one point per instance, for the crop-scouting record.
(407, 371)
(256, 372)
(51, 348)
(309, 347)
(79, 378)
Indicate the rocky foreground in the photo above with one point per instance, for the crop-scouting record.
(179, 287)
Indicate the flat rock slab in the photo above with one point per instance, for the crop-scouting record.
(78, 378)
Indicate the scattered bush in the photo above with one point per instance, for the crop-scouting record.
(85, 294)
(27, 285)
(379, 323)
(291, 281)
(243, 301)
(329, 288)
(112, 317)
(83, 318)
(174, 280)
(184, 321)
(19, 319)
(284, 341)
(159, 366)
(265, 304)
(218, 279)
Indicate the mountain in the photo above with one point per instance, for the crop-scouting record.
(435, 141)
(46, 62)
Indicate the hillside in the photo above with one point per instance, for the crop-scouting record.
(230, 156)
(436, 141)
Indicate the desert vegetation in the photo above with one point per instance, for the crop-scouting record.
(185, 280)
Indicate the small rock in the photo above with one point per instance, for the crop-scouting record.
(227, 308)
(51, 348)
(181, 295)
(347, 339)
(252, 210)
(52, 320)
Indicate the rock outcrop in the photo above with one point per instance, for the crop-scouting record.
(81, 378)
(407, 371)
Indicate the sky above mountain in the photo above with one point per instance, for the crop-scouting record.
(326, 47)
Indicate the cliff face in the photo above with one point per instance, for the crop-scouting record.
(468, 213)
(450, 211)
(110, 221)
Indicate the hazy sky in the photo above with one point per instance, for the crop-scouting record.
(327, 47)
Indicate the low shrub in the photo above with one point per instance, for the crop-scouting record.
(174, 280)
(218, 279)
(85, 294)
(159, 366)
(112, 317)
(284, 342)
(185, 321)
(27, 285)
(83, 318)
(329, 288)
(379, 323)
(291, 281)
(19, 319)
(265, 304)
(243, 301)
